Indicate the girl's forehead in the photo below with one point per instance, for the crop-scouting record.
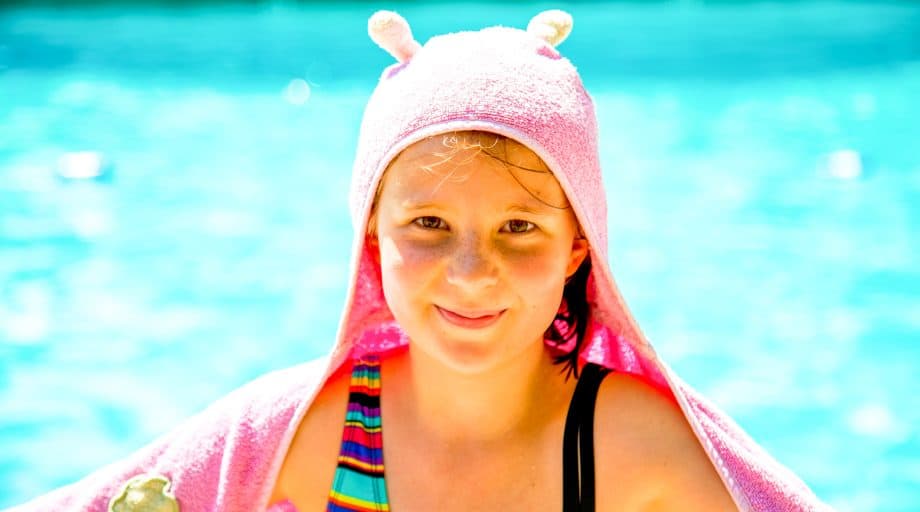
(469, 164)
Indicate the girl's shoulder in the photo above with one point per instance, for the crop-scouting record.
(309, 464)
(641, 430)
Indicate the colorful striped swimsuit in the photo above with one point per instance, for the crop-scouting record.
(359, 484)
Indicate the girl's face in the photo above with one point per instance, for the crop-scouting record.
(474, 251)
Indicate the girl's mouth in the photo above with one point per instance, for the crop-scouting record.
(471, 319)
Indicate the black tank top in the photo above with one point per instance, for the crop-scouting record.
(578, 442)
(359, 483)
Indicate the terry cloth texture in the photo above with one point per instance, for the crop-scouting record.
(515, 83)
(502, 80)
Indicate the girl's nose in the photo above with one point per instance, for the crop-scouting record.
(471, 265)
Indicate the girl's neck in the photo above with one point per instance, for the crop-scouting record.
(453, 408)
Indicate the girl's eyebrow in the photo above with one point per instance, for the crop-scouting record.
(531, 209)
(525, 208)
(408, 204)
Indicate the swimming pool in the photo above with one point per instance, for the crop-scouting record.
(760, 158)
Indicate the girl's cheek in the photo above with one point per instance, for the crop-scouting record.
(414, 253)
(414, 261)
(408, 262)
(538, 257)
(540, 271)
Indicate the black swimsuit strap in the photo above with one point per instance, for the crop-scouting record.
(578, 442)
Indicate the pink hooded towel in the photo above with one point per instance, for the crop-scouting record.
(502, 80)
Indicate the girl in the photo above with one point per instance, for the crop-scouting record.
(485, 359)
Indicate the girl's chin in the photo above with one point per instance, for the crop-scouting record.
(469, 356)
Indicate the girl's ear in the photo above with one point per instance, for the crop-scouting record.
(579, 253)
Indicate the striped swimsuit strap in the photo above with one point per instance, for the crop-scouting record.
(359, 484)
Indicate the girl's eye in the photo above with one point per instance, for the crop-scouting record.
(516, 226)
(429, 222)
(520, 226)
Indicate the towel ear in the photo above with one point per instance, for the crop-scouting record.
(551, 26)
(392, 33)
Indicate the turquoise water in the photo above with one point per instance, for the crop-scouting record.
(783, 287)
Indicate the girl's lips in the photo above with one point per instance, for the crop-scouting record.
(479, 320)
